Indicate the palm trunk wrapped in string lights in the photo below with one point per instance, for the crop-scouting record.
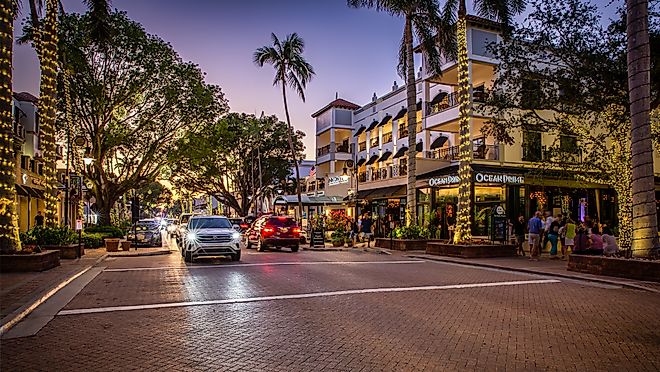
(9, 240)
(462, 232)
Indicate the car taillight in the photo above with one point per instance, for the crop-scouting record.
(267, 230)
(243, 226)
(296, 230)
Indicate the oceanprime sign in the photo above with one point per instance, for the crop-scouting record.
(480, 178)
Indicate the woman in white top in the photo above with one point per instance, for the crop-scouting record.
(609, 242)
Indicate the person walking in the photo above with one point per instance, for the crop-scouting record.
(519, 234)
(553, 238)
(535, 228)
(39, 219)
(367, 227)
(568, 233)
(547, 221)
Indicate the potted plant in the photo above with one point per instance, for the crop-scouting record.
(337, 237)
(348, 240)
(125, 245)
(112, 244)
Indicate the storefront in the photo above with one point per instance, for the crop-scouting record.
(518, 190)
(386, 206)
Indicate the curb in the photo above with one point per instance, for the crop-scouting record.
(139, 254)
(354, 249)
(538, 272)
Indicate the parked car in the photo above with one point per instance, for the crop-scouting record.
(210, 236)
(171, 227)
(146, 232)
(273, 231)
(239, 224)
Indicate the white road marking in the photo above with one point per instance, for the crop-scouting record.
(263, 264)
(299, 296)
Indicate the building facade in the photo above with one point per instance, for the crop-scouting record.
(503, 175)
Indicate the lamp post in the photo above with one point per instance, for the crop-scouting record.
(354, 169)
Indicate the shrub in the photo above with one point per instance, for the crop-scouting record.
(338, 235)
(93, 240)
(43, 235)
(107, 231)
(338, 220)
(411, 232)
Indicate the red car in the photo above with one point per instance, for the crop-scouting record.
(273, 231)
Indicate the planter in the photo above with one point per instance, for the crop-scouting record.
(67, 252)
(471, 250)
(112, 244)
(29, 262)
(126, 245)
(402, 244)
(337, 243)
(619, 267)
(349, 242)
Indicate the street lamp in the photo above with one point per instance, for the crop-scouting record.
(354, 168)
(87, 158)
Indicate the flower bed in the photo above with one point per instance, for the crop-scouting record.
(471, 250)
(612, 266)
(41, 261)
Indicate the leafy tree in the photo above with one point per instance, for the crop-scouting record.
(572, 85)
(9, 238)
(455, 11)
(422, 19)
(133, 98)
(292, 70)
(154, 196)
(222, 159)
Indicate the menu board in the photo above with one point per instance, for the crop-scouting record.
(318, 239)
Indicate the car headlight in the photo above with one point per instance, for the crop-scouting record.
(236, 235)
(191, 236)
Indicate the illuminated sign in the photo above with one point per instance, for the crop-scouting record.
(444, 180)
(499, 178)
(336, 180)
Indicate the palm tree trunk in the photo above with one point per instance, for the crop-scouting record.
(9, 240)
(411, 100)
(293, 150)
(463, 232)
(47, 107)
(645, 228)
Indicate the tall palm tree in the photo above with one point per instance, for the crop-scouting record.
(645, 228)
(9, 240)
(422, 18)
(292, 70)
(502, 11)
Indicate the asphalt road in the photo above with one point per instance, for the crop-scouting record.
(347, 311)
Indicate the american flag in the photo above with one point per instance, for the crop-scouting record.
(312, 171)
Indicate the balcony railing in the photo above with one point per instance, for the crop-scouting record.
(333, 148)
(323, 150)
(374, 142)
(387, 137)
(451, 101)
(362, 146)
(480, 151)
(344, 148)
(362, 177)
(403, 131)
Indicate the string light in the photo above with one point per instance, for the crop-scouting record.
(541, 199)
(463, 233)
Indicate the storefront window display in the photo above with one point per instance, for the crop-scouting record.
(485, 198)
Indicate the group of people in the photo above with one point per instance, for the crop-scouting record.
(586, 237)
(362, 228)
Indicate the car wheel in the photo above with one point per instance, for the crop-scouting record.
(295, 248)
(236, 256)
(188, 257)
(260, 246)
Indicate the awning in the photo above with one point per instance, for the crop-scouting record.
(400, 152)
(360, 131)
(401, 113)
(361, 161)
(372, 159)
(291, 199)
(385, 120)
(373, 125)
(438, 142)
(386, 155)
(388, 192)
(21, 191)
(419, 146)
(438, 97)
(363, 193)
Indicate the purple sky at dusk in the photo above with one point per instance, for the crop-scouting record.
(353, 51)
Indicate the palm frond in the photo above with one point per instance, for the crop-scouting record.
(99, 11)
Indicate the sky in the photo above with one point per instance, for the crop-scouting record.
(353, 51)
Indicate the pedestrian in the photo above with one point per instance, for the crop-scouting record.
(547, 221)
(39, 219)
(596, 240)
(582, 241)
(562, 222)
(568, 232)
(610, 247)
(367, 227)
(553, 237)
(519, 233)
(535, 228)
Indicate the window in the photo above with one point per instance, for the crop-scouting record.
(531, 94)
(532, 149)
(568, 144)
(482, 41)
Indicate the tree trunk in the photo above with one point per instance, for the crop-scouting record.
(9, 240)
(645, 228)
(47, 107)
(462, 232)
(293, 150)
(411, 101)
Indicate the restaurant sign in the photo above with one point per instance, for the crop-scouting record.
(333, 181)
(444, 180)
(479, 178)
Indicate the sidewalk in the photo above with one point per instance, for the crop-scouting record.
(545, 266)
(357, 247)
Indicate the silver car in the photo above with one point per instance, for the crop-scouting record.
(210, 236)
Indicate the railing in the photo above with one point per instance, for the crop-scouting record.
(451, 101)
(403, 131)
(362, 146)
(321, 183)
(480, 151)
(344, 148)
(374, 142)
(323, 150)
(387, 137)
(333, 148)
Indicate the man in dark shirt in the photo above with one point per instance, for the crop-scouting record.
(39, 219)
(519, 233)
(367, 225)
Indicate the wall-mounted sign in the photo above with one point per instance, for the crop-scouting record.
(336, 180)
(39, 182)
(444, 180)
(499, 178)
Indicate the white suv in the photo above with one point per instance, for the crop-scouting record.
(210, 236)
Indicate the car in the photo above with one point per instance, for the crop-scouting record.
(210, 236)
(146, 232)
(239, 224)
(171, 227)
(273, 231)
(180, 231)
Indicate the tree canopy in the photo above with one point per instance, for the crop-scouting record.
(222, 159)
(132, 98)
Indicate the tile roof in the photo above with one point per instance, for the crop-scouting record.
(340, 103)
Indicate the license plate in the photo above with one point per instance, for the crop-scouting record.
(284, 229)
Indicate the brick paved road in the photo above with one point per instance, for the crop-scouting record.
(550, 326)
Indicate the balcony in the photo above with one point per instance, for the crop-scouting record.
(362, 146)
(387, 137)
(323, 150)
(480, 151)
(451, 101)
(403, 130)
(344, 148)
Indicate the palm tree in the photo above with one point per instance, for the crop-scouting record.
(291, 69)
(44, 38)
(645, 228)
(422, 18)
(9, 240)
(502, 11)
